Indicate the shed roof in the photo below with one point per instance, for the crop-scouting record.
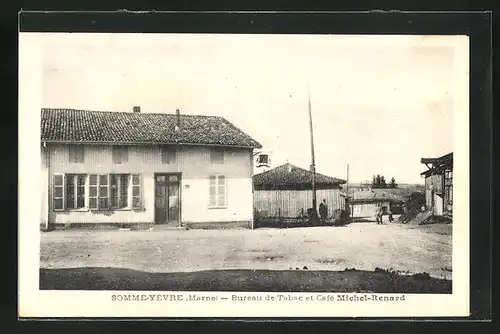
(437, 165)
(290, 177)
(374, 196)
(85, 126)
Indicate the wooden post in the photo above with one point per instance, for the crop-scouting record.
(313, 164)
(348, 209)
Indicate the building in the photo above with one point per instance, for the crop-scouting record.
(286, 192)
(364, 203)
(439, 184)
(144, 168)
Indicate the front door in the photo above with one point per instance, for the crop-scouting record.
(167, 198)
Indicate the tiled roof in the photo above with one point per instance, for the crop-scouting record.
(291, 177)
(438, 165)
(70, 125)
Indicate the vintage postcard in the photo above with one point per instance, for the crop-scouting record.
(219, 175)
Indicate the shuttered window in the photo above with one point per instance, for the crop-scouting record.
(168, 155)
(76, 153)
(120, 154)
(217, 155)
(96, 191)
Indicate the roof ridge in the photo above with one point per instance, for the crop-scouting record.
(128, 113)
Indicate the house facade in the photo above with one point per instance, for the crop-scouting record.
(439, 184)
(286, 192)
(144, 168)
(365, 203)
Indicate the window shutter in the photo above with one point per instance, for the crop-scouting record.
(93, 191)
(58, 190)
(221, 191)
(76, 153)
(103, 192)
(217, 155)
(212, 191)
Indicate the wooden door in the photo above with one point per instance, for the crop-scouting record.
(167, 198)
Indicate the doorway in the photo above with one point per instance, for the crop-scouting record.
(167, 198)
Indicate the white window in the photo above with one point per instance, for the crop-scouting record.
(75, 190)
(168, 155)
(76, 153)
(136, 191)
(217, 191)
(120, 154)
(96, 191)
(217, 155)
(119, 190)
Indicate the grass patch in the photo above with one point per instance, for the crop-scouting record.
(349, 280)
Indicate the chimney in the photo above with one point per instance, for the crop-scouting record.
(178, 120)
(137, 109)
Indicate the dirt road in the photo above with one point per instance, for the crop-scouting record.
(364, 246)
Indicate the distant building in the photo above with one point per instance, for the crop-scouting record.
(365, 202)
(286, 192)
(439, 184)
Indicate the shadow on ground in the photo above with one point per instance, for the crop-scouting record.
(349, 280)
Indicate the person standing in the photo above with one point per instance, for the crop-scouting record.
(323, 210)
(379, 215)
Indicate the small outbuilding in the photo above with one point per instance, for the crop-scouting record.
(286, 192)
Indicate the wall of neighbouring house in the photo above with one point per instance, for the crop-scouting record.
(44, 184)
(434, 193)
(192, 161)
(289, 203)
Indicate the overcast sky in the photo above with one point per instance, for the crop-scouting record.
(379, 103)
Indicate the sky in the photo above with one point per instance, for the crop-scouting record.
(379, 103)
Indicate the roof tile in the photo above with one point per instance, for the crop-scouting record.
(126, 127)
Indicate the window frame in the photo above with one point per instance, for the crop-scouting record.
(120, 191)
(217, 178)
(74, 180)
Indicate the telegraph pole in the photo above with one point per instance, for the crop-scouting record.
(313, 164)
(347, 209)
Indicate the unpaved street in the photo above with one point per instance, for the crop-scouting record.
(363, 246)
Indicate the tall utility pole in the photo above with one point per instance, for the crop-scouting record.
(347, 209)
(313, 164)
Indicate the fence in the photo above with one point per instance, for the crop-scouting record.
(294, 203)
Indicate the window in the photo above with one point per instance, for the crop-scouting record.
(217, 155)
(136, 191)
(96, 192)
(119, 190)
(93, 190)
(217, 191)
(168, 155)
(120, 154)
(75, 191)
(76, 153)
